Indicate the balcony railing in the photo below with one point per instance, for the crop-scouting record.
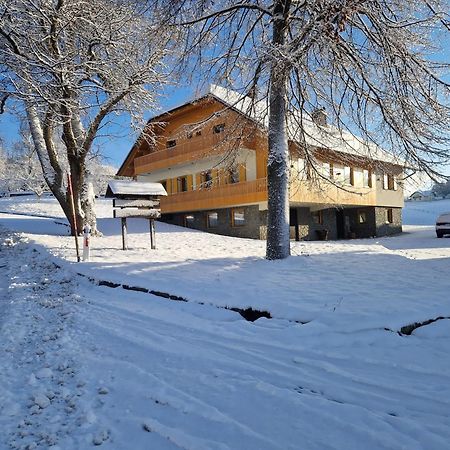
(186, 151)
(217, 197)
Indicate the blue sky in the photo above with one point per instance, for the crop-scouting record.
(116, 146)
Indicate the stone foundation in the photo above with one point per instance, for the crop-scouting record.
(343, 223)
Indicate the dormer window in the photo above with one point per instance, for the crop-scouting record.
(171, 143)
(218, 128)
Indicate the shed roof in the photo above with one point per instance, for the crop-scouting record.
(134, 188)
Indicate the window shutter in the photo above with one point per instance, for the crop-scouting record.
(190, 182)
(215, 177)
(174, 185)
(242, 173)
(198, 181)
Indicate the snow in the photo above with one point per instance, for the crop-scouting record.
(117, 187)
(316, 136)
(124, 369)
(424, 213)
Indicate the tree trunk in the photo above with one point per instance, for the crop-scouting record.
(76, 176)
(53, 172)
(278, 243)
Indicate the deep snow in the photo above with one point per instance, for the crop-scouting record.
(131, 370)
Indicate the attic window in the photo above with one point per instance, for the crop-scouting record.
(218, 128)
(171, 143)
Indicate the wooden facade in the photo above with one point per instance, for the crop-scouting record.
(209, 156)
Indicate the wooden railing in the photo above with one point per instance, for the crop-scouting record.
(187, 150)
(217, 197)
(323, 192)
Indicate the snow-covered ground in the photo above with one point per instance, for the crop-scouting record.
(85, 365)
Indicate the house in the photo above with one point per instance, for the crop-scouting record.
(422, 196)
(211, 154)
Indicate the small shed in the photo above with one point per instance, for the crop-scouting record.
(136, 199)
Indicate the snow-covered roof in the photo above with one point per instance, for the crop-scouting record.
(423, 194)
(135, 188)
(328, 136)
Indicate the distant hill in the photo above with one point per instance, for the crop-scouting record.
(424, 213)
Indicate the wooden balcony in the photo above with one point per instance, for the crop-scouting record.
(252, 192)
(248, 192)
(187, 150)
(326, 193)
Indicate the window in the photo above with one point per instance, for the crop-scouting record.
(212, 219)
(182, 184)
(390, 215)
(206, 179)
(234, 175)
(237, 217)
(348, 175)
(317, 217)
(389, 182)
(362, 217)
(339, 173)
(367, 178)
(190, 134)
(189, 221)
(218, 128)
(331, 170)
(171, 143)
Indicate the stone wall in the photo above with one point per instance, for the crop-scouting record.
(376, 222)
(308, 227)
(383, 227)
(255, 222)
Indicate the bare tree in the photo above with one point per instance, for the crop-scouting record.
(69, 65)
(368, 63)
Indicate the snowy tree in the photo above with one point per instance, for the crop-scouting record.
(100, 173)
(368, 63)
(69, 65)
(24, 168)
(442, 189)
(3, 175)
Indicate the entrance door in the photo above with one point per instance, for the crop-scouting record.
(340, 223)
(293, 222)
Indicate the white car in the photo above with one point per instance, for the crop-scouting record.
(443, 225)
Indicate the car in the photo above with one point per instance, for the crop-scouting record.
(443, 225)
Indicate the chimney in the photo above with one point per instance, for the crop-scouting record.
(319, 117)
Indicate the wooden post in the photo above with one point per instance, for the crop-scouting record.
(152, 234)
(124, 233)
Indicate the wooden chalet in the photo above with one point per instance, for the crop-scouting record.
(211, 157)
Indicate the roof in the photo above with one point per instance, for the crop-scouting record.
(329, 136)
(423, 193)
(134, 188)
